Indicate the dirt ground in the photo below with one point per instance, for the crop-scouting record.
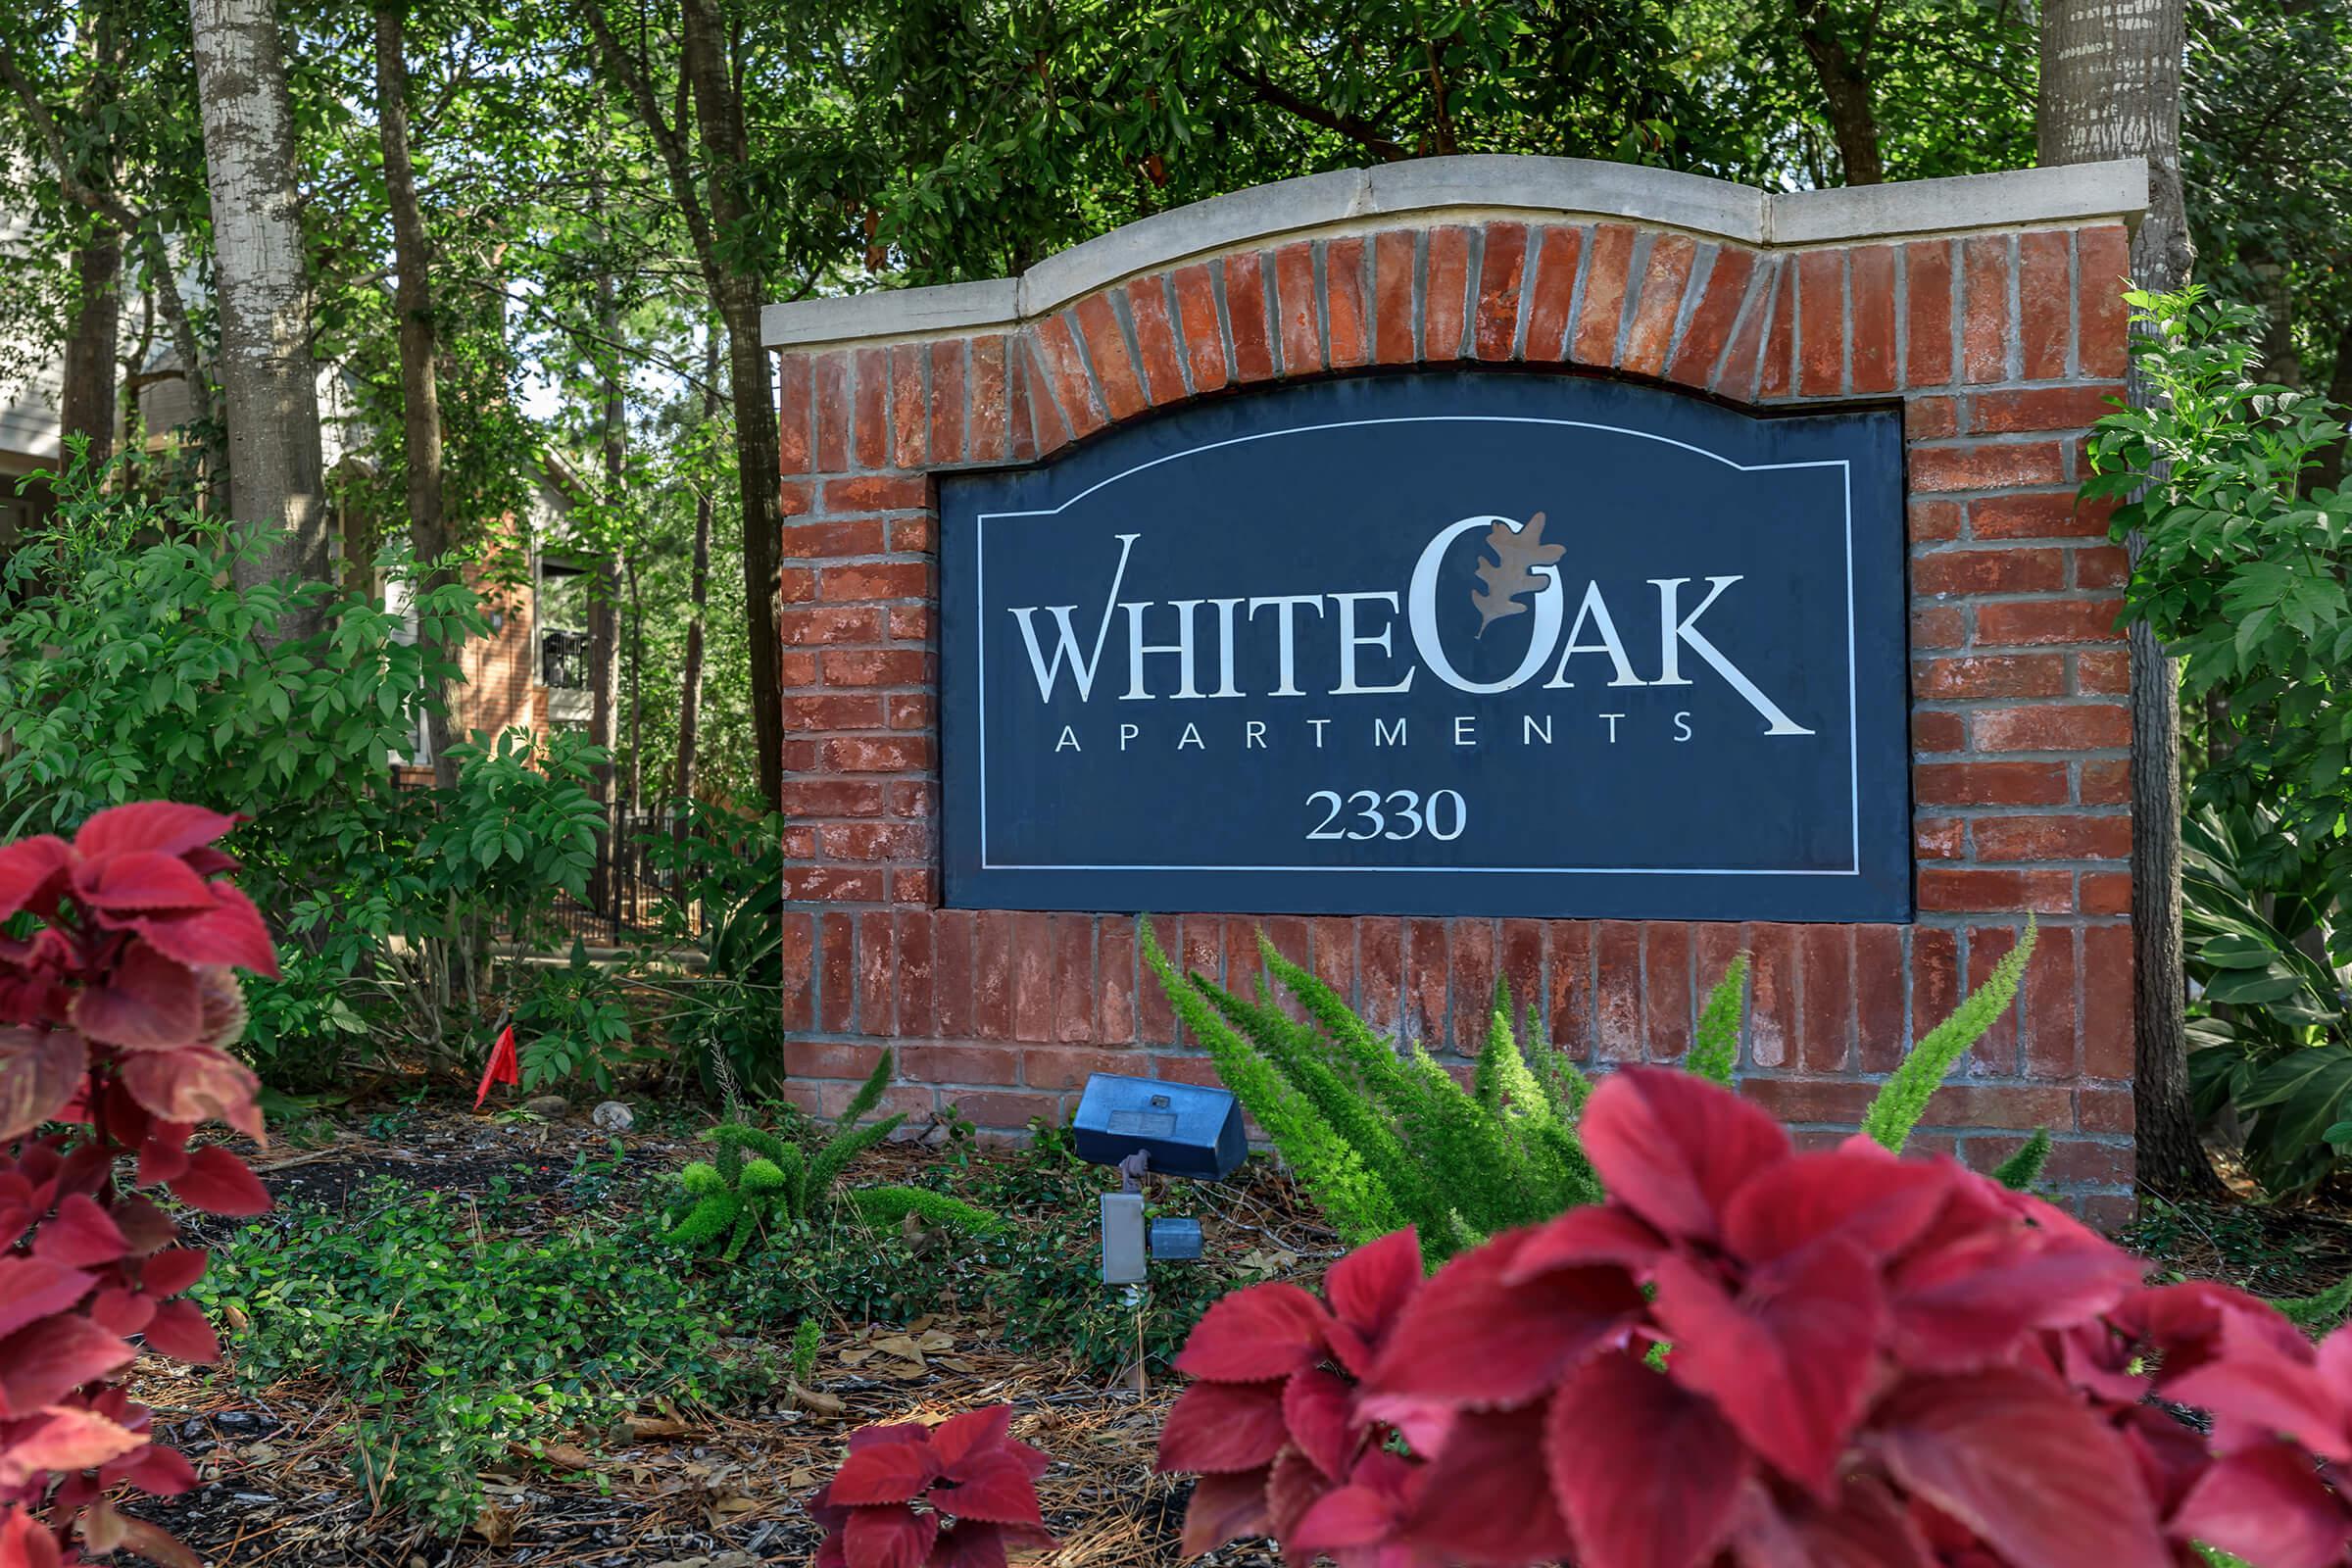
(701, 1493)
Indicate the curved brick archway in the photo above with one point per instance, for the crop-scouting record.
(1988, 307)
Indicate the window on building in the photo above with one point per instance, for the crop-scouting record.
(563, 618)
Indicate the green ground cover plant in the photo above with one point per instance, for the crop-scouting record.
(456, 1336)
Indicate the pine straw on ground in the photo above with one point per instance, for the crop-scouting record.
(674, 1489)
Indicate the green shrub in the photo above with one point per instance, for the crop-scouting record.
(2270, 1046)
(1382, 1137)
(454, 1341)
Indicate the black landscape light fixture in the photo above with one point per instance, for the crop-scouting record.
(1139, 1124)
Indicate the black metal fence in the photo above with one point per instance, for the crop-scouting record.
(628, 897)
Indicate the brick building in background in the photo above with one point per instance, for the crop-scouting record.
(1988, 309)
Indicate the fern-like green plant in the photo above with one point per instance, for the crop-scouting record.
(755, 1181)
(1382, 1136)
(887, 1208)
(2023, 1170)
(807, 1340)
(1715, 1051)
(1905, 1096)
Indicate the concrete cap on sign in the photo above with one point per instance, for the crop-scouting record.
(1356, 200)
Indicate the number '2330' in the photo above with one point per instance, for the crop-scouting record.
(1400, 815)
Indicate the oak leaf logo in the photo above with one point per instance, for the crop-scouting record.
(1507, 577)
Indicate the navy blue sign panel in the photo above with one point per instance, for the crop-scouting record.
(1445, 643)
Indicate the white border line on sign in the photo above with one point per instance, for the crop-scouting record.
(1852, 715)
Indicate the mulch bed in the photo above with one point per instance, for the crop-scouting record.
(703, 1491)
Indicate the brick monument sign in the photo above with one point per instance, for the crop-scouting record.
(1479, 567)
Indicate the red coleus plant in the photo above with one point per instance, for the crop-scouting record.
(969, 1468)
(115, 1010)
(1755, 1356)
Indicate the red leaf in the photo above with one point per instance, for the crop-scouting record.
(1265, 1332)
(40, 1364)
(1674, 1149)
(2269, 1506)
(173, 1270)
(229, 932)
(148, 1004)
(2044, 1481)
(884, 1472)
(1319, 1408)
(159, 1472)
(156, 1546)
(33, 1288)
(2255, 1383)
(1223, 1509)
(194, 1085)
(40, 1069)
(1868, 1197)
(894, 1537)
(122, 1311)
(1369, 1288)
(1788, 1360)
(974, 1434)
(23, 1543)
(79, 1235)
(1485, 1499)
(31, 871)
(140, 881)
(218, 1183)
(1646, 1472)
(179, 1328)
(1223, 1428)
(144, 1224)
(1526, 1335)
(1966, 1302)
(1345, 1517)
(164, 1152)
(165, 826)
(1865, 1529)
(976, 1545)
(62, 1437)
(889, 1432)
(1584, 1237)
(998, 1490)
(1292, 1486)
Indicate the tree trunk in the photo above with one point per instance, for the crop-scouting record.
(690, 683)
(268, 380)
(86, 404)
(1845, 94)
(419, 360)
(604, 608)
(2330, 471)
(758, 460)
(2111, 88)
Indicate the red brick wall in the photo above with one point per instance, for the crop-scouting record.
(2000, 347)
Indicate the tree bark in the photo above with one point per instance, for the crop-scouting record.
(2111, 88)
(420, 363)
(604, 607)
(697, 592)
(1846, 93)
(269, 381)
(759, 459)
(86, 403)
(2330, 471)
